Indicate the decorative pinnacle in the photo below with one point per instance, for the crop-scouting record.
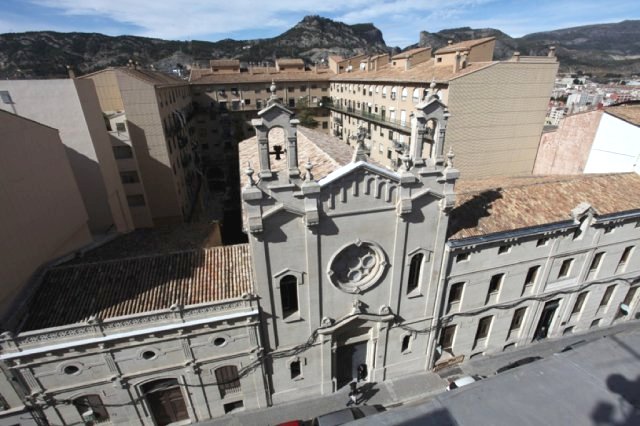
(450, 157)
(309, 166)
(273, 88)
(249, 172)
(433, 83)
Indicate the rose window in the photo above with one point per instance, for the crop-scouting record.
(357, 266)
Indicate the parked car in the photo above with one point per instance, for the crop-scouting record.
(346, 415)
(293, 423)
(462, 381)
(518, 363)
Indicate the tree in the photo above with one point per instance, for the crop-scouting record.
(305, 114)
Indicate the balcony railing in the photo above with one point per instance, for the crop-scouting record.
(399, 125)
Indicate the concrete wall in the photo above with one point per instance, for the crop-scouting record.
(70, 107)
(482, 53)
(616, 147)
(565, 150)
(42, 215)
(497, 115)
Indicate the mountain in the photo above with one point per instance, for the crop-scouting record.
(45, 54)
(602, 49)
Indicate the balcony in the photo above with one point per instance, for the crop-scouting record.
(401, 126)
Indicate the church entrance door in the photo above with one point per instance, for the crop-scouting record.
(348, 358)
(166, 401)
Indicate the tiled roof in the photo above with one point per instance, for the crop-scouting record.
(326, 153)
(260, 77)
(488, 206)
(629, 113)
(72, 294)
(463, 45)
(409, 53)
(156, 78)
(224, 63)
(423, 72)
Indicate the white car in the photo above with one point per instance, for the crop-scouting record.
(462, 381)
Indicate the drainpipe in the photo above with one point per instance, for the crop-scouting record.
(437, 313)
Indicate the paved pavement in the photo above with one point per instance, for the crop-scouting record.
(410, 390)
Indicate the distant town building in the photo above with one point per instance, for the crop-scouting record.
(149, 116)
(593, 142)
(71, 106)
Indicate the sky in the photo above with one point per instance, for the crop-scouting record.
(399, 20)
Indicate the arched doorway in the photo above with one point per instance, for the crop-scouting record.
(351, 352)
(166, 401)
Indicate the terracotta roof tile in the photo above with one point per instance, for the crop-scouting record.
(420, 73)
(72, 294)
(463, 45)
(326, 153)
(287, 61)
(503, 204)
(263, 77)
(629, 113)
(409, 53)
(224, 63)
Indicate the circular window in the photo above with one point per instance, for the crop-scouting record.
(71, 369)
(148, 355)
(219, 341)
(357, 266)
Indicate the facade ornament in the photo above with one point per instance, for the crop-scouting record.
(385, 310)
(249, 172)
(360, 154)
(308, 166)
(326, 322)
(357, 306)
(273, 98)
(450, 157)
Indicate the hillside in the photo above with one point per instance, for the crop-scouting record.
(602, 49)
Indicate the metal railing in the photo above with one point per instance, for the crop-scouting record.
(399, 125)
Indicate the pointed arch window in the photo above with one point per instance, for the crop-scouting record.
(415, 271)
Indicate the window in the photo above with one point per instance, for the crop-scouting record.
(148, 355)
(129, 177)
(462, 257)
(91, 405)
(516, 321)
(415, 270)
(219, 342)
(565, 268)
(446, 337)
(609, 229)
(6, 97)
(494, 284)
(439, 59)
(406, 340)
(625, 256)
(394, 92)
(595, 263)
(325, 125)
(122, 151)
(120, 127)
(627, 301)
(505, 248)
(289, 295)
(542, 242)
(455, 294)
(606, 297)
(292, 102)
(532, 274)
(303, 88)
(483, 329)
(136, 200)
(227, 380)
(577, 307)
(71, 370)
(595, 323)
(416, 96)
(390, 135)
(404, 94)
(384, 92)
(295, 370)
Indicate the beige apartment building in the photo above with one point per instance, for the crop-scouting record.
(148, 115)
(496, 108)
(42, 214)
(71, 106)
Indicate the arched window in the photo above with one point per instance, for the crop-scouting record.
(289, 295)
(228, 380)
(405, 93)
(91, 408)
(294, 367)
(394, 93)
(415, 270)
(406, 340)
(384, 91)
(416, 95)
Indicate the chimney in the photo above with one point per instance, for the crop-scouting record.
(464, 59)
(456, 62)
(449, 42)
(70, 71)
(130, 63)
(552, 51)
(516, 56)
